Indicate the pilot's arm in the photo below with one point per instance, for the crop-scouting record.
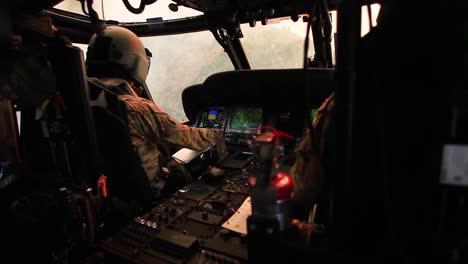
(197, 139)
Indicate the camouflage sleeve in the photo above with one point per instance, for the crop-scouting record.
(323, 122)
(197, 139)
(308, 170)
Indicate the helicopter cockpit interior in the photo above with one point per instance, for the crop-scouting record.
(337, 149)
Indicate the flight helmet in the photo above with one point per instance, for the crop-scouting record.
(119, 49)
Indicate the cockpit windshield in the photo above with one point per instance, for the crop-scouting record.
(280, 45)
(194, 56)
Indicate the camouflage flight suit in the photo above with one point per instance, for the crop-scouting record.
(153, 132)
(307, 171)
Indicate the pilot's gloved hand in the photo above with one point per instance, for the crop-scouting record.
(304, 228)
(213, 173)
(308, 231)
(221, 148)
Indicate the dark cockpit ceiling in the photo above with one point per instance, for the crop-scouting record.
(284, 7)
(216, 14)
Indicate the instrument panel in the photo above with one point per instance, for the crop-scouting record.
(240, 123)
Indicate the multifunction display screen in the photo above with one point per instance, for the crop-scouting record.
(245, 120)
(213, 118)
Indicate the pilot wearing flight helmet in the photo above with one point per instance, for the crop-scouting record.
(118, 61)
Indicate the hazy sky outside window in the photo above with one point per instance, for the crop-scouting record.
(280, 44)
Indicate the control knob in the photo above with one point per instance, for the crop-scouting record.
(204, 215)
